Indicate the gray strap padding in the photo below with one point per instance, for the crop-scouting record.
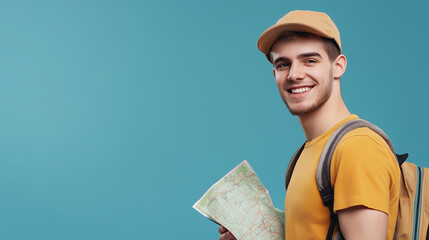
(323, 174)
(338, 236)
(292, 164)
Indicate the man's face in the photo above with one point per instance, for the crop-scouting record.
(303, 74)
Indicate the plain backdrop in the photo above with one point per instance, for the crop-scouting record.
(116, 116)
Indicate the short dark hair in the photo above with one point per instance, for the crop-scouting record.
(331, 47)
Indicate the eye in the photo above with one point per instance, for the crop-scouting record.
(310, 61)
(282, 66)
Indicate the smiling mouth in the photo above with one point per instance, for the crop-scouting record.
(299, 90)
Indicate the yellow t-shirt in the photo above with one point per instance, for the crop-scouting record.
(364, 172)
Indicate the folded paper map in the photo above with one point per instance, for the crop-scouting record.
(241, 203)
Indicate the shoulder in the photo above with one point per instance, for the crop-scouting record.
(364, 148)
(364, 172)
(363, 140)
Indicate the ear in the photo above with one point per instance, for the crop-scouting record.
(339, 66)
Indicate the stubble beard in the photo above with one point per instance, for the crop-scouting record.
(313, 106)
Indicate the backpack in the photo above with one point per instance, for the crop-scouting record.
(413, 213)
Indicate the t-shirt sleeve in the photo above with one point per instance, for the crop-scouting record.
(364, 172)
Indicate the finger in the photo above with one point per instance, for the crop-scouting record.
(227, 236)
(224, 236)
(222, 229)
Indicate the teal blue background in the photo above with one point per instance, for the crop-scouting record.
(116, 116)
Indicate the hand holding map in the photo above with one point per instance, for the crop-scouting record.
(241, 203)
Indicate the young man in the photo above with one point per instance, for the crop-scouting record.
(305, 50)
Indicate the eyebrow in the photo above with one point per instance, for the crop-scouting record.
(281, 59)
(310, 54)
(301, 56)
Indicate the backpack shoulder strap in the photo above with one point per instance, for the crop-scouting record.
(323, 174)
(292, 164)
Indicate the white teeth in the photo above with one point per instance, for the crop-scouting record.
(300, 90)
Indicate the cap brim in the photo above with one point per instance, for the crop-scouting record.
(267, 38)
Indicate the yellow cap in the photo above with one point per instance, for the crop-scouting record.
(318, 23)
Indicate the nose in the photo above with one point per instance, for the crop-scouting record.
(295, 73)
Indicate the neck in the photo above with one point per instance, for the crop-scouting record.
(318, 122)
